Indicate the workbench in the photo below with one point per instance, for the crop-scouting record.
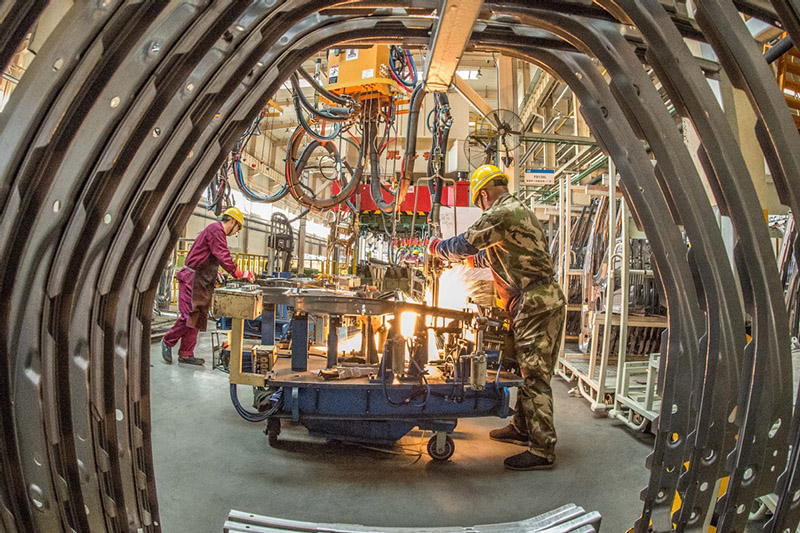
(381, 403)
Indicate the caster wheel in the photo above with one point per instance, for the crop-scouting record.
(273, 430)
(449, 449)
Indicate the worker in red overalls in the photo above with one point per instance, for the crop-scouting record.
(196, 285)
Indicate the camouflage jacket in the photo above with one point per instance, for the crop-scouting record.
(509, 239)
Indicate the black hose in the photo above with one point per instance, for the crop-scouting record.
(252, 416)
(441, 134)
(293, 171)
(304, 124)
(449, 122)
(782, 46)
(440, 141)
(331, 114)
(302, 161)
(414, 394)
(345, 164)
(407, 167)
(323, 91)
(375, 189)
(389, 123)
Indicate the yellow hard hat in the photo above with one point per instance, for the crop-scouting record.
(481, 177)
(235, 214)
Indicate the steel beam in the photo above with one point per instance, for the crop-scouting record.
(507, 99)
(450, 37)
(472, 96)
(557, 138)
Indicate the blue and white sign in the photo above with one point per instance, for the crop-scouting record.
(538, 177)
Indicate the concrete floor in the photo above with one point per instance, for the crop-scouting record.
(208, 461)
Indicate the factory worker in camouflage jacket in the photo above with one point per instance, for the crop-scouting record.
(509, 240)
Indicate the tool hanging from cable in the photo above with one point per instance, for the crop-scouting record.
(365, 107)
(351, 115)
(440, 131)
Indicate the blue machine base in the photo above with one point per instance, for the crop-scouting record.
(372, 431)
(362, 413)
(252, 328)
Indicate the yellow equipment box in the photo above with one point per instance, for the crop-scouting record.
(361, 72)
(237, 303)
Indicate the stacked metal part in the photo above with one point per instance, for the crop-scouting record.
(589, 253)
(586, 292)
(119, 124)
(790, 276)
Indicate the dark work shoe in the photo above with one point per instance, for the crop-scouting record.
(527, 461)
(166, 353)
(191, 360)
(509, 434)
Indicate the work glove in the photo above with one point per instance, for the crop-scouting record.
(470, 261)
(433, 246)
(244, 274)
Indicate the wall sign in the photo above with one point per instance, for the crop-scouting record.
(539, 177)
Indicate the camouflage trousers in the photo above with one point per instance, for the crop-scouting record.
(536, 345)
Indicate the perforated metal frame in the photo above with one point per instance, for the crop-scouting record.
(110, 138)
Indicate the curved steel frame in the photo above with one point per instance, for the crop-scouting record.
(116, 128)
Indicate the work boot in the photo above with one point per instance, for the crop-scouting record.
(511, 435)
(191, 360)
(527, 461)
(166, 352)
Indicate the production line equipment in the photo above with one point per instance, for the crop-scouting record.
(333, 155)
(411, 366)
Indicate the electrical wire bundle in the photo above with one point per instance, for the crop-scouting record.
(335, 115)
(407, 166)
(297, 160)
(236, 167)
(342, 118)
(218, 196)
(276, 401)
(373, 116)
(407, 250)
(439, 122)
(402, 68)
(218, 193)
(388, 117)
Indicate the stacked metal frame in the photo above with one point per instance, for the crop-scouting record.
(120, 122)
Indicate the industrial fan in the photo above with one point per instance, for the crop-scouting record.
(495, 135)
